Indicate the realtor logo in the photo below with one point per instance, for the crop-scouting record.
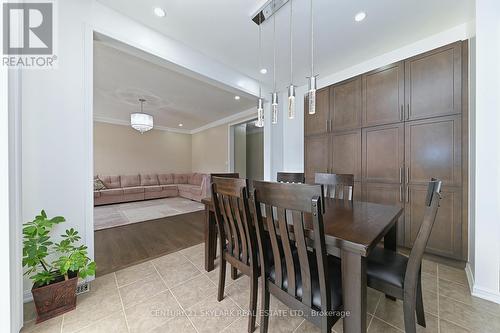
(28, 34)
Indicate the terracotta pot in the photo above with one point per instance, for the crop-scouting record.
(55, 299)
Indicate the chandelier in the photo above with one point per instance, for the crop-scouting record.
(141, 121)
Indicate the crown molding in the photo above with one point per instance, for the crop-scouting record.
(120, 122)
(226, 120)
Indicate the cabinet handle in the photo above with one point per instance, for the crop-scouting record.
(407, 193)
(400, 193)
(331, 125)
(327, 126)
(401, 175)
(407, 178)
(401, 113)
(408, 113)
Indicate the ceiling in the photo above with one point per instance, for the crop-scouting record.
(121, 78)
(222, 30)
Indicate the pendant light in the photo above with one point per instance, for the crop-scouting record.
(141, 121)
(260, 102)
(312, 79)
(291, 87)
(274, 95)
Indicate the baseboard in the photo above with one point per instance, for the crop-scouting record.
(489, 295)
(470, 276)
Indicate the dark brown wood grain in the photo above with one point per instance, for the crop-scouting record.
(290, 177)
(336, 186)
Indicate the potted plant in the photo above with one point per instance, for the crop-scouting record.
(54, 283)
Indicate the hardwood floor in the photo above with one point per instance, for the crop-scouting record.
(124, 246)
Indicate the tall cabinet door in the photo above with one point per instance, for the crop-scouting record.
(434, 83)
(345, 104)
(434, 149)
(316, 151)
(383, 95)
(317, 123)
(446, 234)
(383, 154)
(345, 153)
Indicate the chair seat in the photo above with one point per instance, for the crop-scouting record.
(335, 277)
(386, 266)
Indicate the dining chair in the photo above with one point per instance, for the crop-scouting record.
(309, 281)
(290, 177)
(238, 245)
(399, 276)
(336, 186)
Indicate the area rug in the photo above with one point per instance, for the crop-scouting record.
(110, 216)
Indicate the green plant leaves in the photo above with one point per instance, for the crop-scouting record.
(37, 246)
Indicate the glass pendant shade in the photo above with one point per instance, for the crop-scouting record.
(260, 113)
(311, 95)
(141, 122)
(291, 102)
(274, 106)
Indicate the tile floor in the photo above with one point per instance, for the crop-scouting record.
(174, 294)
(109, 216)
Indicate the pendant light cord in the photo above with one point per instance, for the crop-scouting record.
(312, 40)
(291, 44)
(274, 53)
(260, 53)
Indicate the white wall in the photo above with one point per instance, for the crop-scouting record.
(239, 149)
(487, 151)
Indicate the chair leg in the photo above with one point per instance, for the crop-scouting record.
(234, 273)
(409, 313)
(254, 284)
(222, 277)
(264, 313)
(325, 327)
(420, 304)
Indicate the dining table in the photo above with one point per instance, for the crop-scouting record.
(352, 230)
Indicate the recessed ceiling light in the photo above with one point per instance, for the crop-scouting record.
(360, 16)
(159, 12)
(263, 71)
(180, 125)
(237, 97)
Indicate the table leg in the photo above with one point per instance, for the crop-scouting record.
(391, 243)
(210, 239)
(354, 291)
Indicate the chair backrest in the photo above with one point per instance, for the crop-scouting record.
(336, 186)
(284, 206)
(290, 177)
(224, 175)
(415, 260)
(232, 214)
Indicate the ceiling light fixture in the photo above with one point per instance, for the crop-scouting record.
(291, 87)
(141, 121)
(237, 97)
(159, 12)
(360, 16)
(260, 102)
(312, 79)
(180, 125)
(274, 95)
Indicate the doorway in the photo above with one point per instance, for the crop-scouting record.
(248, 150)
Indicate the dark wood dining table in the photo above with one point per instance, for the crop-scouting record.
(352, 230)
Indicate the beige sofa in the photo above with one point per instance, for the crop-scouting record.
(124, 188)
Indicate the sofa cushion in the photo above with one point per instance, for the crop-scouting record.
(130, 181)
(154, 188)
(196, 190)
(97, 194)
(133, 190)
(111, 181)
(186, 187)
(149, 179)
(169, 187)
(180, 178)
(166, 178)
(112, 191)
(196, 179)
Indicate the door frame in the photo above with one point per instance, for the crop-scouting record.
(230, 140)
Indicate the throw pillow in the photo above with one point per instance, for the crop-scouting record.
(98, 185)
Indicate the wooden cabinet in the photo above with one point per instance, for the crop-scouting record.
(383, 95)
(387, 194)
(345, 153)
(434, 83)
(433, 149)
(316, 155)
(318, 123)
(446, 235)
(345, 104)
(395, 128)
